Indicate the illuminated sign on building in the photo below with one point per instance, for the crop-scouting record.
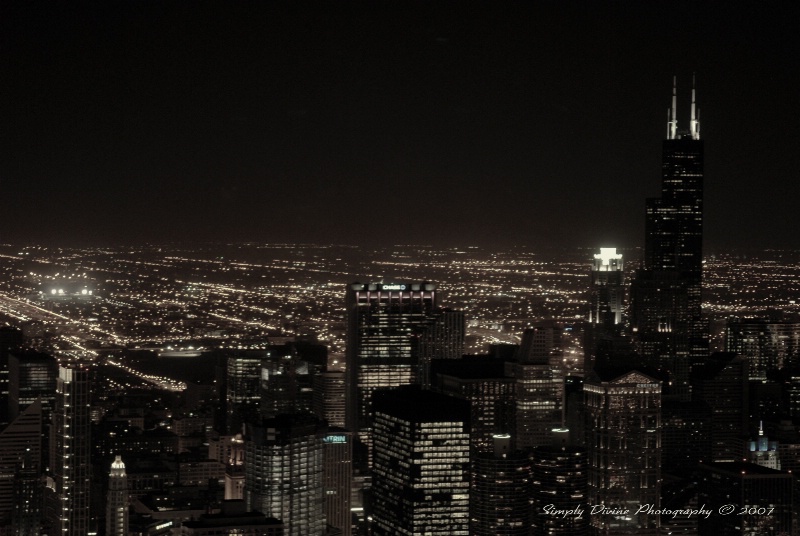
(393, 287)
(335, 439)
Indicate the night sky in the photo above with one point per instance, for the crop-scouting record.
(536, 123)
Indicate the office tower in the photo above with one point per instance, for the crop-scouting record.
(607, 288)
(11, 339)
(27, 514)
(330, 395)
(719, 388)
(624, 450)
(287, 380)
(767, 346)
(337, 447)
(117, 500)
(386, 324)
(501, 491)
(70, 450)
(284, 472)
(539, 385)
(421, 463)
(243, 381)
(19, 441)
(491, 393)
(766, 495)
(32, 375)
(666, 295)
(560, 475)
(442, 338)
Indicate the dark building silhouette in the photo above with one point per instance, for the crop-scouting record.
(500, 494)
(560, 475)
(666, 300)
(491, 392)
(720, 390)
(421, 464)
(11, 339)
(767, 495)
(20, 444)
(538, 374)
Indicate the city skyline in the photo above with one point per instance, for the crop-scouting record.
(517, 124)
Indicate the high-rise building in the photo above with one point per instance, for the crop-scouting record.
(421, 464)
(70, 451)
(32, 375)
(243, 382)
(491, 392)
(442, 338)
(767, 346)
(720, 390)
(284, 472)
(763, 499)
(117, 500)
(337, 447)
(28, 506)
(607, 288)
(500, 495)
(624, 451)
(539, 385)
(559, 475)
(666, 295)
(20, 440)
(11, 339)
(389, 326)
(329, 397)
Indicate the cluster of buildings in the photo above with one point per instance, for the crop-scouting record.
(653, 434)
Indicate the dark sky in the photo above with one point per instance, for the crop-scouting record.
(535, 123)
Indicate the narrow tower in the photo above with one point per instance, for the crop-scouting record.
(117, 500)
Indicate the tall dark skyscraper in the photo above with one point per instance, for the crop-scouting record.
(389, 329)
(666, 295)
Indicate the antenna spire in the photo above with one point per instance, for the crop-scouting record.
(673, 124)
(694, 125)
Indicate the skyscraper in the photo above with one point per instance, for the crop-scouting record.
(767, 346)
(421, 463)
(117, 500)
(20, 441)
(607, 288)
(70, 450)
(500, 497)
(539, 385)
(666, 294)
(388, 327)
(559, 479)
(284, 472)
(491, 393)
(624, 451)
(337, 448)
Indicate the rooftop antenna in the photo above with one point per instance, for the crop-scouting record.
(673, 124)
(694, 125)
